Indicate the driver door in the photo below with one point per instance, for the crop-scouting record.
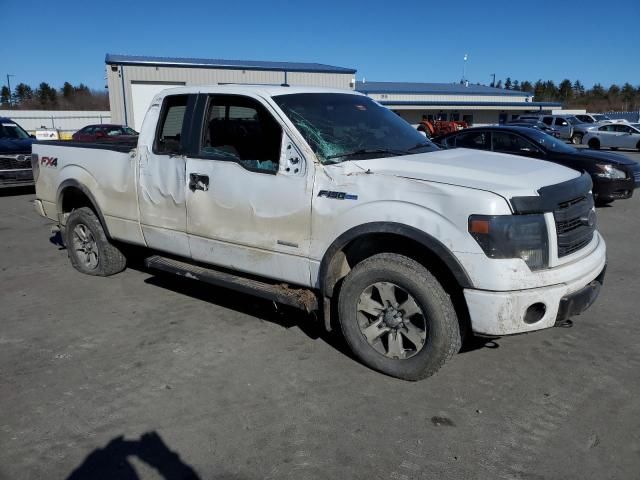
(249, 191)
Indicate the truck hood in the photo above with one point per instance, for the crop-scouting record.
(506, 175)
(8, 145)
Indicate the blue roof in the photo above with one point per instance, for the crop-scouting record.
(433, 89)
(112, 59)
(427, 103)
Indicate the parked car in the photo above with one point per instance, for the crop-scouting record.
(614, 136)
(105, 133)
(592, 117)
(15, 154)
(568, 126)
(614, 176)
(324, 199)
(534, 124)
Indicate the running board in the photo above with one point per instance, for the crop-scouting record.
(281, 292)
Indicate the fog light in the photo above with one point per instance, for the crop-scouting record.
(535, 313)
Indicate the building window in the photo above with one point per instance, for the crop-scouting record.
(468, 119)
(455, 117)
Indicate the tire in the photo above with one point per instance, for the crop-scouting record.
(90, 251)
(576, 139)
(638, 146)
(603, 202)
(594, 143)
(428, 338)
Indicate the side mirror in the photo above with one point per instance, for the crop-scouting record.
(32, 136)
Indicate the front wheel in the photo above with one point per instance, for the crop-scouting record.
(90, 251)
(397, 318)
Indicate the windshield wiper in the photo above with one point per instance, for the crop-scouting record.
(365, 151)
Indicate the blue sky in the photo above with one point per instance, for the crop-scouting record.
(384, 40)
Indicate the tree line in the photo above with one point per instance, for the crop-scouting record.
(46, 97)
(575, 95)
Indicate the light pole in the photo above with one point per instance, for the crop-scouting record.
(493, 82)
(9, 86)
(464, 67)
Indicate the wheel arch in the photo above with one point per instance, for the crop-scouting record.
(365, 240)
(73, 194)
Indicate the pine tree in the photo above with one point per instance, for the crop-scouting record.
(516, 85)
(499, 84)
(565, 90)
(23, 92)
(5, 96)
(508, 84)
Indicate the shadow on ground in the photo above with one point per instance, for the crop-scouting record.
(311, 324)
(113, 461)
(15, 191)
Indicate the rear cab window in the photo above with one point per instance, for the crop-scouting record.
(169, 131)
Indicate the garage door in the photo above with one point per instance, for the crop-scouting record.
(142, 94)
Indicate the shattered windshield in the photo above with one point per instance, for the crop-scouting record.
(341, 126)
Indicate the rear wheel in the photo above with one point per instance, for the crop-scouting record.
(594, 143)
(89, 249)
(576, 139)
(397, 318)
(638, 146)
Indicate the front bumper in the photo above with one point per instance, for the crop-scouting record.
(614, 189)
(505, 312)
(16, 177)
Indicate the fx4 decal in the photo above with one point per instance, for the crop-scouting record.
(337, 195)
(49, 161)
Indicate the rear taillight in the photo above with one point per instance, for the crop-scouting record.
(35, 166)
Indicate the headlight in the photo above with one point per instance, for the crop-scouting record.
(512, 236)
(609, 171)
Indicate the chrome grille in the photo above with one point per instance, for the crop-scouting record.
(573, 227)
(15, 162)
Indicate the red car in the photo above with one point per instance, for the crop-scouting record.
(105, 133)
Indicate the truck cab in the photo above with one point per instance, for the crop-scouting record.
(326, 199)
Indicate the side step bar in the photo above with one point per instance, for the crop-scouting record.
(281, 293)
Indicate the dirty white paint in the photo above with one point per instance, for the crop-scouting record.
(278, 226)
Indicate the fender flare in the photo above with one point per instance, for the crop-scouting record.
(429, 242)
(76, 184)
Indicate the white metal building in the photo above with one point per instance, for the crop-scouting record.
(133, 81)
(474, 104)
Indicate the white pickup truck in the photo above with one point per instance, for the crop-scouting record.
(318, 197)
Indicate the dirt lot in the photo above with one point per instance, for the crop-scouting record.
(144, 376)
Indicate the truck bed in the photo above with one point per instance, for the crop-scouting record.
(119, 146)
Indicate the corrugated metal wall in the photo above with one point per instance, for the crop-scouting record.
(204, 76)
(65, 120)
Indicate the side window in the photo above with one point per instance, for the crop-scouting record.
(475, 140)
(169, 132)
(240, 129)
(548, 120)
(561, 122)
(509, 143)
(622, 128)
(606, 128)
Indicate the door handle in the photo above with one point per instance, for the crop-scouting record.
(198, 181)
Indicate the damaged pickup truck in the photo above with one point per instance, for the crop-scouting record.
(318, 198)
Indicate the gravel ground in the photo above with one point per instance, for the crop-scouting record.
(145, 376)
